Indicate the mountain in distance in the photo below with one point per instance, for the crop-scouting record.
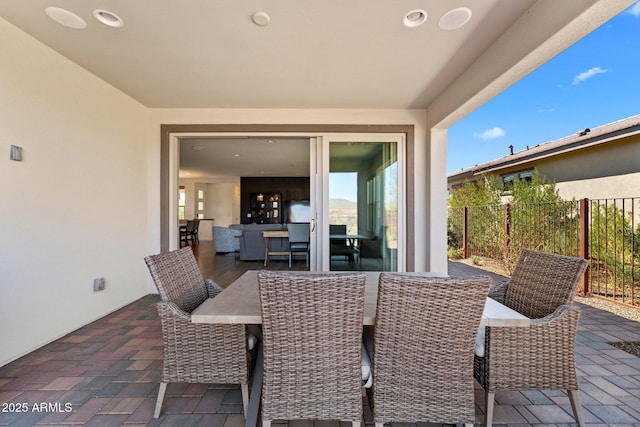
(342, 204)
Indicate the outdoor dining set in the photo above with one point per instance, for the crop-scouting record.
(315, 345)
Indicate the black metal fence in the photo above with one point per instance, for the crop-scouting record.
(605, 231)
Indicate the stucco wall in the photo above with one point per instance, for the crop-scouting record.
(619, 186)
(75, 208)
(615, 158)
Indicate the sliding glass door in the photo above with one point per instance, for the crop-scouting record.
(356, 204)
(361, 194)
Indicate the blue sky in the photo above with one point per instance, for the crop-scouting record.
(594, 82)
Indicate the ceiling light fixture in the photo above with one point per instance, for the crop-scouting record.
(66, 18)
(261, 19)
(455, 18)
(414, 18)
(109, 19)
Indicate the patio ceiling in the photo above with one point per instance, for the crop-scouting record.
(314, 54)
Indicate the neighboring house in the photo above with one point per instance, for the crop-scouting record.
(99, 113)
(596, 163)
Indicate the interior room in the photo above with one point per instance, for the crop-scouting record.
(230, 182)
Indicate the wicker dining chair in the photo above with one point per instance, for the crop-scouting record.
(196, 353)
(422, 345)
(312, 340)
(540, 357)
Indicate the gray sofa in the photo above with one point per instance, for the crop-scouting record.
(252, 242)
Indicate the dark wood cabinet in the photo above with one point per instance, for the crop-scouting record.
(266, 208)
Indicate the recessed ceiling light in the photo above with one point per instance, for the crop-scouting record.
(455, 18)
(261, 19)
(66, 18)
(236, 155)
(414, 18)
(108, 18)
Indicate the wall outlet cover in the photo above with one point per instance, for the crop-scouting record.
(98, 284)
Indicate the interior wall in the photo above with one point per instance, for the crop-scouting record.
(75, 208)
(222, 202)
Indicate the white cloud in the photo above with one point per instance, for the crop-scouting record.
(491, 133)
(635, 10)
(588, 74)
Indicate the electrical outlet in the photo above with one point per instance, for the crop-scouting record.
(98, 284)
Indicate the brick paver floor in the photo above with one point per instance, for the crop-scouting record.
(106, 374)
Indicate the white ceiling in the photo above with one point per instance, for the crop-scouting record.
(313, 54)
(223, 158)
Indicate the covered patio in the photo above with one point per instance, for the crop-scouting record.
(106, 373)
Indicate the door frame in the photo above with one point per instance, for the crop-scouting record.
(167, 172)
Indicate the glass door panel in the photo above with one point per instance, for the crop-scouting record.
(364, 204)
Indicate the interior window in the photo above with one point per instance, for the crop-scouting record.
(182, 198)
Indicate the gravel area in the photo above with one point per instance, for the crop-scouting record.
(619, 309)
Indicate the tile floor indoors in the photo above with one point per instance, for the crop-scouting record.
(106, 374)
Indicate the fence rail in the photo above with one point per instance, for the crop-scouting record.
(604, 231)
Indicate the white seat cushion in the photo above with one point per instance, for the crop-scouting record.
(251, 341)
(480, 342)
(366, 368)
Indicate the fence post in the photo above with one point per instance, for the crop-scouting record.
(584, 242)
(507, 229)
(465, 230)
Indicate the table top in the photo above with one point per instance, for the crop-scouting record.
(285, 233)
(347, 236)
(275, 233)
(240, 303)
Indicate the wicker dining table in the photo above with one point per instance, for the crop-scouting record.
(239, 303)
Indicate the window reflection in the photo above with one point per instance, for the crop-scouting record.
(363, 206)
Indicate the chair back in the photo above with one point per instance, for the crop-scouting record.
(541, 282)
(178, 278)
(298, 232)
(338, 229)
(191, 226)
(424, 341)
(312, 336)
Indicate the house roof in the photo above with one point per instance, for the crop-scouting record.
(580, 140)
(312, 54)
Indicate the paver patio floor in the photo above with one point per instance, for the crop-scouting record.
(106, 374)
